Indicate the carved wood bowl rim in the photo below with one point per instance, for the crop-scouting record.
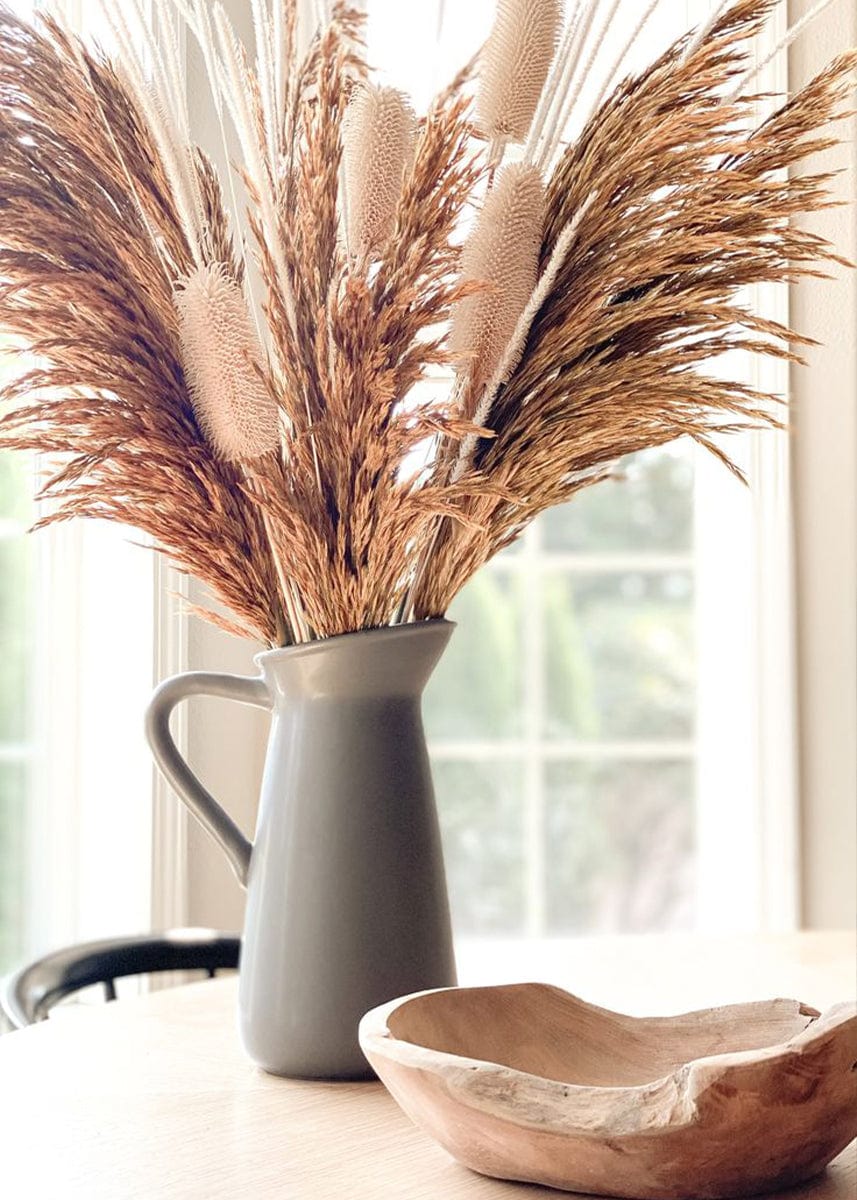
(685, 1098)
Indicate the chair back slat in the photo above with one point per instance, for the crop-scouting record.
(31, 992)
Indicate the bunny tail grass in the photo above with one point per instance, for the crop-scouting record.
(378, 140)
(222, 361)
(502, 256)
(514, 66)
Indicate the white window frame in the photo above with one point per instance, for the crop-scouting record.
(748, 865)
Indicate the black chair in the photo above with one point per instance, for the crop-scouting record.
(31, 992)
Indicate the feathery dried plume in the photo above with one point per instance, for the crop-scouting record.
(217, 233)
(89, 237)
(501, 255)
(222, 362)
(378, 140)
(514, 66)
(791, 34)
(150, 73)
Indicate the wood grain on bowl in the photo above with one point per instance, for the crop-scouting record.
(527, 1082)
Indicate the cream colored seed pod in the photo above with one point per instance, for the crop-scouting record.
(220, 356)
(514, 66)
(502, 253)
(378, 138)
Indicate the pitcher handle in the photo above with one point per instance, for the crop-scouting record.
(245, 689)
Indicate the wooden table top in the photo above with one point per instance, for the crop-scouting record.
(152, 1097)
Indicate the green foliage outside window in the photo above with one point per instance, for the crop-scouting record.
(606, 778)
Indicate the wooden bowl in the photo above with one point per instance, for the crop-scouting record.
(527, 1082)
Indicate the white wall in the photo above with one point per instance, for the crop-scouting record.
(825, 488)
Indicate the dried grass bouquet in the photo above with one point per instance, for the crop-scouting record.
(249, 401)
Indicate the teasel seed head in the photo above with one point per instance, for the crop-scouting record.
(514, 66)
(502, 253)
(378, 140)
(222, 360)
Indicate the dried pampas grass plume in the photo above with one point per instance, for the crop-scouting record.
(514, 66)
(222, 361)
(378, 140)
(502, 254)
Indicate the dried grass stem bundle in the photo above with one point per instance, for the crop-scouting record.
(279, 450)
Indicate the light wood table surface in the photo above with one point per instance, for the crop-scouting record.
(153, 1098)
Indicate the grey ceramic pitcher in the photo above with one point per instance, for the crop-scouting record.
(346, 894)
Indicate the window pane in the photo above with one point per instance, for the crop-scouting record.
(13, 788)
(476, 690)
(15, 488)
(649, 509)
(483, 843)
(619, 845)
(15, 609)
(619, 659)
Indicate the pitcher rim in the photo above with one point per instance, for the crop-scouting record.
(379, 632)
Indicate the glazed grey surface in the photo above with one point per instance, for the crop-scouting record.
(346, 894)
